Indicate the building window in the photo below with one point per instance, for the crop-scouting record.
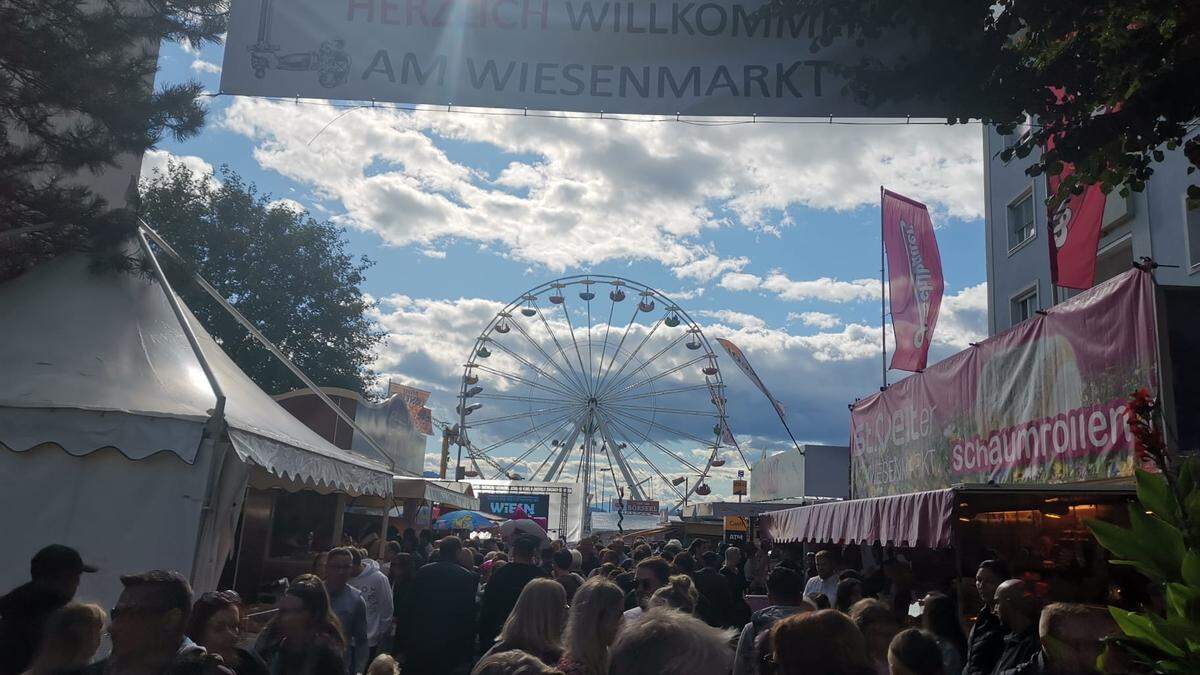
(1191, 209)
(1020, 221)
(1024, 306)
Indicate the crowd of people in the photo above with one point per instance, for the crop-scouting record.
(530, 606)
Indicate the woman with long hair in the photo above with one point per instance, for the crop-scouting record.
(535, 625)
(402, 574)
(305, 638)
(940, 618)
(71, 637)
(216, 624)
(679, 593)
(825, 641)
(592, 626)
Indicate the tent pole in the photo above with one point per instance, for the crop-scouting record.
(262, 339)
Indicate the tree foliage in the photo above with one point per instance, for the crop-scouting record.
(1127, 68)
(1163, 543)
(76, 97)
(287, 272)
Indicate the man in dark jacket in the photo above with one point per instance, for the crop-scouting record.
(1016, 610)
(785, 589)
(716, 598)
(54, 573)
(505, 586)
(440, 613)
(987, 636)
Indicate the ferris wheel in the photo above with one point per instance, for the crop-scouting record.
(598, 380)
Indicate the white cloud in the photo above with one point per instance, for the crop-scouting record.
(962, 318)
(815, 319)
(157, 160)
(824, 288)
(556, 206)
(740, 281)
(433, 253)
(732, 318)
(290, 204)
(202, 66)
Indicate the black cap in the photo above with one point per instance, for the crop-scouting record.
(57, 559)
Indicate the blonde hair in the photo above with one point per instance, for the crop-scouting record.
(383, 665)
(71, 636)
(679, 593)
(592, 624)
(536, 622)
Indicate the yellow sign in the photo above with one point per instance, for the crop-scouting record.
(737, 524)
(739, 487)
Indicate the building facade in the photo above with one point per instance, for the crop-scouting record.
(1159, 223)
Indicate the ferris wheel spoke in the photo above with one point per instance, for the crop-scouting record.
(564, 450)
(536, 369)
(653, 467)
(565, 422)
(604, 345)
(589, 341)
(568, 374)
(636, 350)
(517, 416)
(659, 376)
(645, 364)
(563, 352)
(664, 427)
(658, 392)
(532, 430)
(522, 399)
(658, 409)
(578, 353)
(612, 449)
(517, 378)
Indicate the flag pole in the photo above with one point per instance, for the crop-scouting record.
(882, 296)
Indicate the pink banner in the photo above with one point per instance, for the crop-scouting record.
(1039, 403)
(915, 276)
(1074, 232)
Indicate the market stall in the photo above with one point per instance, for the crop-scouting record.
(127, 433)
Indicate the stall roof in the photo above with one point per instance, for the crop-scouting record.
(100, 360)
(450, 492)
(918, 519)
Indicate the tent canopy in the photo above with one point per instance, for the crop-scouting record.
(97, 361)
(459, 495)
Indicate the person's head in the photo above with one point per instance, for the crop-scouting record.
(403, 568)
(733, 556)
(784, 587)
(825, 563)
(819, 600)
(663, 641)
(586, 545)
(216, 622)
(151, 615)
(524, 546)
(684, 563)
(357, 558)
(1014, 605)
(383, 665)
(641, 552)
(448, 548)
(304, 610)
(849, 591)
(915, 652)
(391, 551)
(610, 557)
(339, 567)
(939, 616)
(576, 560)
(57, 568)
(988, 578)
(466, 559)
(824, 641)
(593, 622)
(651, 574)
(563, 561)
(536, 621)
(512, 662)
(671, 549)
(710, 560)
(877, 623)
(679, 593)
(617, 544)
(318, 564)
(1071, 636)
(70, 637)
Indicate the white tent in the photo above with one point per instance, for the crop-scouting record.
(112, 439)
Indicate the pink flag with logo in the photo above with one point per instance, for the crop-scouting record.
(915, 278)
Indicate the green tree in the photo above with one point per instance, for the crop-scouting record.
(287, 272)
(76, 95)
(1127, 69)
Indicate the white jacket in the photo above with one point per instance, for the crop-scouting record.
(377, 594)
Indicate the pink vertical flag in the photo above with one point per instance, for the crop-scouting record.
(915, 278)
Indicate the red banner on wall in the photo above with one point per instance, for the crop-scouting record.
(1041, 402)
(915, 277)
(1074, 232)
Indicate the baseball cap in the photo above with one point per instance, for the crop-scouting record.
(56, 559)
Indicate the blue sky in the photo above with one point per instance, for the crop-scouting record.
(767, 235)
